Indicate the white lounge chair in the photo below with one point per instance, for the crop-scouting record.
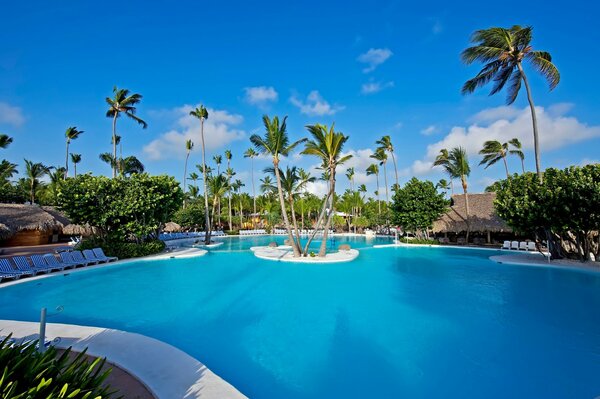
(506, 245)
(523, 246)
(531, 246)
(514, 245)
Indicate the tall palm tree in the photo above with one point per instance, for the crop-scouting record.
(457, 163)
(442, 160)
(385, 143)
(130, 165)
(108, 158)
(189, 146)
(230, 174)
(381, 156)
(34, 172)
(218, 160)
(250, 153)
(122, 103)
(7, 171)
(75, 158)
(503, 52)
(492, 152)
(5, 140)
(237, 186)
(193, 177)
(373, 169)
(71, 134)
(276, 143)
(350, 176)
(217, 186)
(202, 114)
(292, 186)
(304, 178)
(518, 151)
(327, 145)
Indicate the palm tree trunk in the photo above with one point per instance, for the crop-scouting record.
(378, 201)
(292, 210)
(295, 248)
(506, 166)
(75, 168)
(451, 186)
(241, 210)
(32, 192)
(184, 178)
(67, 161)
(523, 165)
(464, 184)
(253, 191)
(318, 223)
(114, 140)
(395, 168)
(323, 248)
(536, 140)
(387, 194)
(206, 210)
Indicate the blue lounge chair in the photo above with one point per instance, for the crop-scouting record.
(89, 255)
(52, 261)
(78, 256)
(68, 260)
(7, 271)
(24, 266)
(40, 263)
(100, 255)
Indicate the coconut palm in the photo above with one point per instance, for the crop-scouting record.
(75, 158)
(304, 178)
(292, 187)
(217, 186)
(34, 172)
(5, 140)
(443, 185)
(327, 145)
(71, 134)
(385, 143)
(218, 160)
(518, 151)
(492, 152)
(130, 165)
(230, 174)
(108, 158)
(350, 176)
(267, 185)
(503, 52)
(189, 146)
(7, 170)
(122, 103)
(276, 143)
(237, 186)
(373, 169)
(442, 160)
(381, 156)
(250, 153)
(202, 114)
(194, 178)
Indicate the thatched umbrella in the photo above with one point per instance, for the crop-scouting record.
(18, 217)
(79, 230)
(482, 216)
(171, 227)
(5, 232)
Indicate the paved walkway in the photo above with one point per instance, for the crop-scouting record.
(7, 252)
(537, 259)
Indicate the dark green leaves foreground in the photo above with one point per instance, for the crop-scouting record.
(28, 374)
(564, 209)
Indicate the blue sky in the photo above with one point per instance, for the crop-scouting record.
(382, 67)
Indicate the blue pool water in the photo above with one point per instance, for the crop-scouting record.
(396, 323)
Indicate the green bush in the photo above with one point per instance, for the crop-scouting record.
(232, 232)
(124, 250)
(27, 373)
(419, 241)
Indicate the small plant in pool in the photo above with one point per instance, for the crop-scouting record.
(312, 254)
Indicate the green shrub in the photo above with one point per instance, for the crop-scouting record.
(232, 232)
(27, 373)
(419, 241)
(124, 250)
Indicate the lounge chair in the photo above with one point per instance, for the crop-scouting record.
(514, 245)
(531, 246)
(7, 271)
(100, 255)
(24, 266)
(67, 259)
(523, 246)
(89, 255)
(52, 261)
(40, 263)
(78, 256)
(506, 245)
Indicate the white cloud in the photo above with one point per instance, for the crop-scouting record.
(260, 95)
(429, 130)
(375, 87)
(318, 188)
(504, 123)
(219, 130)
(315, 105)
(374, 57)
(11, 115)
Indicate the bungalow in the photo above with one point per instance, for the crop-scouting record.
(22, 225)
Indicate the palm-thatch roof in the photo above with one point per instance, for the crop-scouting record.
(172, 227)
(482, 215)
(80, 230)
(18, 217)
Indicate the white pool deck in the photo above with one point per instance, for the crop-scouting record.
(279, 254)
(167, 372)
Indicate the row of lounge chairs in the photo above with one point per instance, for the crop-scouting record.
(18, 266)
(254, 232)
(189, 234)
(305, 232)
(519, 246)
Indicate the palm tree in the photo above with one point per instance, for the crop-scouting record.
(327, 145)
(202, 113)
(373, 169)
(292, 186)
(250, 153)
(34, 172)
(304, 178)
(7, 171)
(518, 151)
(75, 158)
(276, 143)
(457, 163)
(189, 145)
(193, 177)
(237, 186)
(443, 185)
(5, 140)
(381, 156)
(130, 165)
(217, 186)
(350, 176)
(218, 160)
(108, 158)
(71, 134)
(503, 51)
(122, 103)
(493, 151)
(385, 143)
(230, 174)
(442, 160)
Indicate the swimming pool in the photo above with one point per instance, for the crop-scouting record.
(397, 322)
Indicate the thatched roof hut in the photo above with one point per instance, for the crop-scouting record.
(171, 227)
(482, 215)
(29, 224)
(80, 230)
